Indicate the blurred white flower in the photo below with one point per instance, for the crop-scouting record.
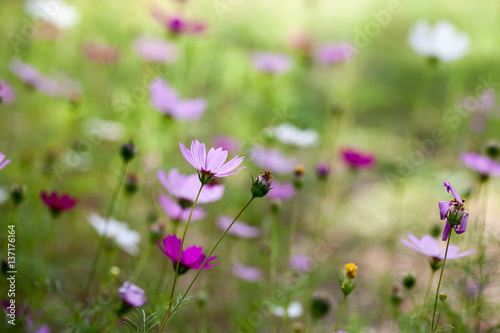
(56, 12)
(442, 41)
(4, 195)
(293, 310)
(105, 129)
(289, 134)
(117, 231)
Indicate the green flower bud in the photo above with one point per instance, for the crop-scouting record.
(128, 151)
(320, 305)
(493, 149)
(261, 185)
(443, 297)
(17, 194)
(409, 280)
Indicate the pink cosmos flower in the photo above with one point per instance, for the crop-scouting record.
(330, 54)
(247, 273)
(301, 263)
(166, 100)
(3, 161)
(272, 63)
(227, 143)
(356, 159)
(56, 203)
(281, 191)
(101, 53)
(191, 257)
(132, 295)
(212, 165)
(480, 108)
(273, 159)
(7, 94)
(155, 50)
(482, 164)
(240, 229)
(429, 246)
(178, 212)
(177, 24)
(454, 213)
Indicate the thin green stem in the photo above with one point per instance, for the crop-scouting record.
(274, 251)
(439, 315)
(481, 259)
(440, 278)
(340, 314)
(427, 293)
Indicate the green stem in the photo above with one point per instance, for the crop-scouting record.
(427, 293)
(274, 251)
(340, 314)
(440, 278)
(439, 314)
(481, 259)
(102, 239)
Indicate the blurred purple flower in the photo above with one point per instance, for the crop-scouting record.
(155, 50)
(212, 165)
(301, 263)
(273, 159)
(166, 100)
(247, 273)
(227, 143)
(323, 170)
(281, 191)
(272, 63)
(101, 53)
(132, 295)
(482, 164)
(429, 246)
(191, 257)
(56, 203)
(186, 187)
(7, 94)
(3, 161)
(479, 108)
(176, 212)
(454, 213)
(240, 229)
(356, 159)
(330, 54)
(177, 24)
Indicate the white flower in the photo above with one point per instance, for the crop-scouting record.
(55, 12)
(442, 41)
(118, 231)
(4, 195)
(289, 134)
(293, 310)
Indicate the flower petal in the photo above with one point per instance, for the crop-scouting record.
(444, 207)
(453, 192)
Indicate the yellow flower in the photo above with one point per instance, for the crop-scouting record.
(350, 270)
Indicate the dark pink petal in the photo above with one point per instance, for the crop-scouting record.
(200, 261)
(446, 231)
(172, 246)
(191, 255)
(451, 189)
(462, 226)
(444, 207)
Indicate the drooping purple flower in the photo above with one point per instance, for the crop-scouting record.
(482, 164)
(480, 108)
(3, 161)
(271, 63)
(239, 228)
(429, 246)
(177, 212)
(281, 191)
(7, 94)
(273, 159)
(101, 53)
(155, 50)
(210, 165)
(191, 257)
(301, 263)
(330, 54)
(56, 203)
(165, 99)
(454, 212)
(177, 24)
(227, 143)
(356, 159)
(247, 273)
(132, 295)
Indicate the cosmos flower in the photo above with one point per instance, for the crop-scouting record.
(334, 53)
(273, 159)
(482, 164)
(281, 191)
(155, 50)
(301, 263)
(271, 63)
(240, 229)
(3, 161)
(56, 203)
(132, 295)
(177, 212)
(210, 165)
(118, 232)
(59, 14)
(101, 53)
(247, 273)
(293, 310)
(177, 24)
(479, 108)
(227, 143)
(429, 246)
(454, 213)
(7, 94)
(442, 42)
(356, 159)
(288, 134)
(191, 257)
(165, 99)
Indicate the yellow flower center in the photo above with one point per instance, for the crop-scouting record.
(350, 270)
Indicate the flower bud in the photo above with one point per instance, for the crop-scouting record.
(435, 230)
(348, 284)
(17, 194)
(322, 170)
(435, 264)
(262, 184)
(115, 271)
(128, 151)
(409, 280)
(298, 174)
(130, 184)
(350, 270)
(320, 305)
(443, 297)
(493, 149)
(396, 296)
(157, 231)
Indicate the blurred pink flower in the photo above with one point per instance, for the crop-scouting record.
(273, 160)
(7, 94)
(101, 53)
(281, 191)
(301, 41)
(323, 170)
(3, 161)
(240, 229)
(176, 212)
(165, 99)
(155, 50)
(132, 295)
(429, 246)
(177, 24)
(227, 143)
(330, 54)
(272, 63)
(57, 203)
(301, 263)
(247, 273)
(356, 159)
(479, 108)
(482, 164)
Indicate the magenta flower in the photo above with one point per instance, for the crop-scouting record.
(155, 50)
(212, 165)
(191, 257)
(177, 24)
(3, 161)
(186, 187)
(271, 63)
(56, 203)
(7, 94)
(330, 54)
(454, 213)
(281, 191)
(480, 108)
(132, 295)
(482, 164)
(323, 170)
(178, 212)
(240, 229)
(273, 159)
(247, 273)
(429, 246)
(356, 159)
(166, 100)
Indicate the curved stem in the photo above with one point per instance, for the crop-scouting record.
(440, 278)
(340, 314)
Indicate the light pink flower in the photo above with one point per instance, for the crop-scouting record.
(240, 229)
(247, 273)
(176, 212)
